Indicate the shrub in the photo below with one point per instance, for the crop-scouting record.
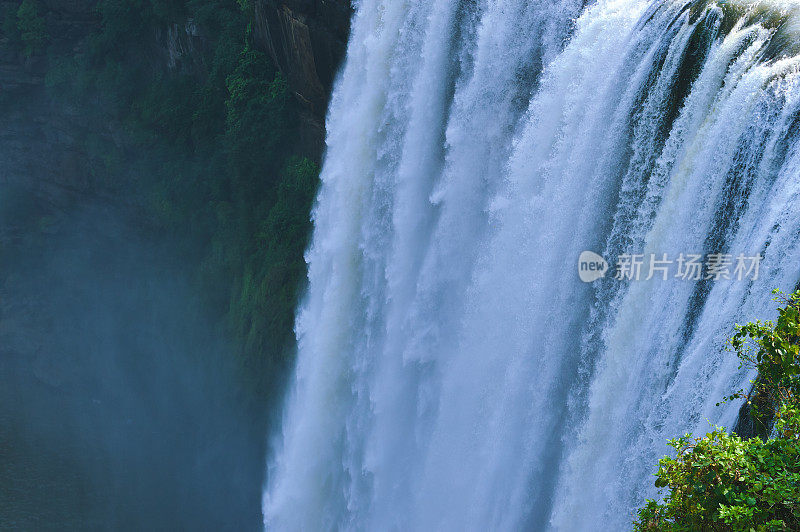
(723, 482)
(257, 122)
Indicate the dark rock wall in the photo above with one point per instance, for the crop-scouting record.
(306, 40)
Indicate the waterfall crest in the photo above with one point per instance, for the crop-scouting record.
(453, 371)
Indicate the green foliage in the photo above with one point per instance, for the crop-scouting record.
(773, 349)
(257, 120)
(269, 289)
(722, 482)
(32, 28)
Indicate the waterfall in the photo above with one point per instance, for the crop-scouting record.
(454, 372)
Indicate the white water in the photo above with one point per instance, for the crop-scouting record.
(453, 372)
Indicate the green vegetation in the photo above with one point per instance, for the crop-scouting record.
(723, 482)
(207, 152)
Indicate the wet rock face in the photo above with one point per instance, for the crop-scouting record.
(307, 40)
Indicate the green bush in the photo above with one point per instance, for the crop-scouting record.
(722, 482)
(257, 119)
(773, 348)
(269, 292)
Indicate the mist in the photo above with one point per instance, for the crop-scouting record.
(119, 405)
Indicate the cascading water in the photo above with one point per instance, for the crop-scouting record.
(453, 372)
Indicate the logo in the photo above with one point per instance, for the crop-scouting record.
(686, 267)
(591, 267)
